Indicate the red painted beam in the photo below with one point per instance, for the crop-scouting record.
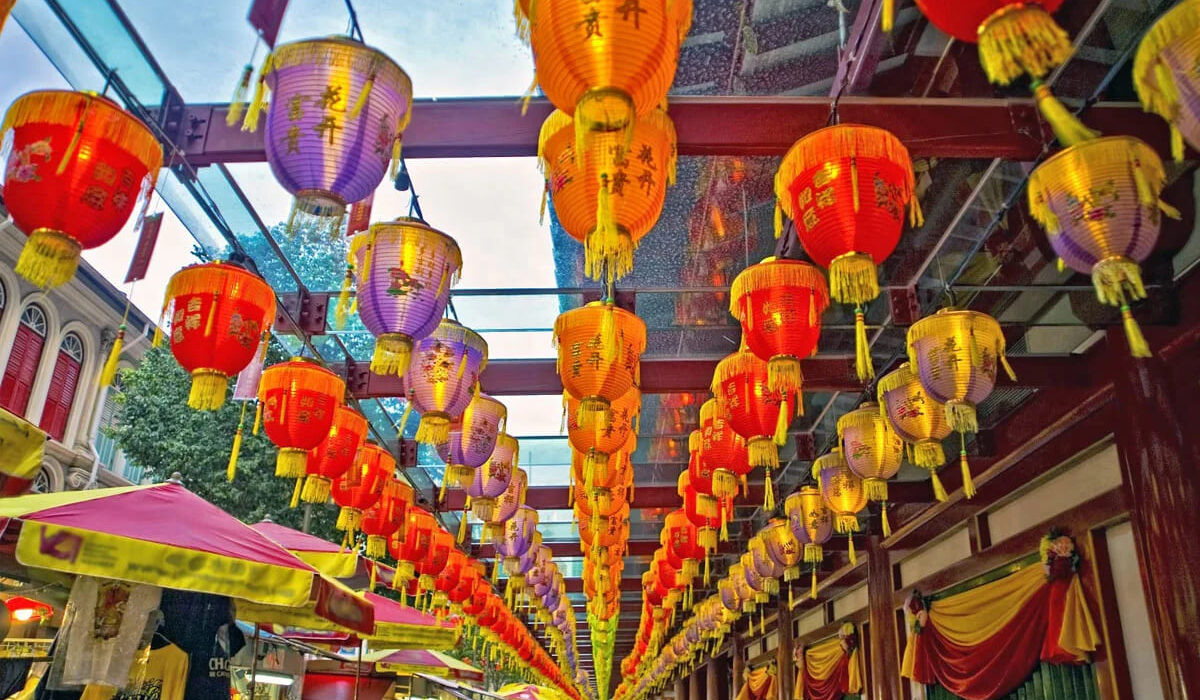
(713, 125)
(575, 585)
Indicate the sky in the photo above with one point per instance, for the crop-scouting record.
(448, 47)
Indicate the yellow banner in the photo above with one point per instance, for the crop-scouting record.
(332, 564)
(76, 551)
(22, 445)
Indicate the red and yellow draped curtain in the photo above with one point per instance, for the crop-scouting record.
(759, 685)
(829, 673)
(983, 643)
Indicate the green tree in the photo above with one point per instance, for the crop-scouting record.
(157, 430)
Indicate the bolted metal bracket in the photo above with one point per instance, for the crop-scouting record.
(308, 309)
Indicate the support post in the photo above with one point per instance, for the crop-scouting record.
(681, 689)
(884, 646)
(695, 685)
(784, 671)
(1158, 463)
(739, 664)
(712, 684)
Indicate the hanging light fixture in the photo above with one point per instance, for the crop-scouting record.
(843, 493)
(403, 271)
(957, 354)
(812, 524)
(599, 350)
(493, 478)
(77, 166)
(219, 316)
(846, 188)
(443, 378)
(873, 451)
(609, 196)
(298, 400)
(917, 419)
(472, 440)
(330, 459)
(759, 415)
(1016, 38)
(337, 110)
(1099, 203)
(779, 303)
(722, 450)
(504, 505)
(1164, 75)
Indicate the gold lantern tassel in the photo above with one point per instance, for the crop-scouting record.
(69, 154)
(707, 568)
(231, 470)
(724, 529)
(462, 527)
(854, 181)
(258, 103)
(887, 526)
(442, 490)
(769, 493)
(968, 483)
(782, 421)
(374, 576)
(341, 311)
(237, 105)
(939, 491)
(778, 219)
(1066, 126)
(404, 416)
(863, 366)
(362, 98)
(853, 556)
(495, 571)
(812, 594)
(258, 411)
(296, 492)
(888, 20)
(1138, 347)
(109, 372)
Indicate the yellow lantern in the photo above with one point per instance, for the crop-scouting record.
(917, 419)
(599, 348)
(843, 492)
(609, 196)
(957, 353)
(873, 451)
(1164, 73)
(812, 525)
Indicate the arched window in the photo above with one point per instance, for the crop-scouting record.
(23, 361)
(61, 394)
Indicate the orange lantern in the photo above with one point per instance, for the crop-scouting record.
(599, 348)
(842, 491)
(298, 400)
(410, 543)
(386, 516)
(846, 188)
(758, 414)
(873, 451)
(917, 419)
(334, 455)
(617, 473)
(78, 165)
(605, 61)
(362, 485)
(722, 450)
(609, 196)
(597, 442)
(219, 315)
(779, 304)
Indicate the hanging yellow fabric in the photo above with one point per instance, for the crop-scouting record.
(971, 617)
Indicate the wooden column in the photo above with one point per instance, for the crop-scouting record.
(884, 645)
(695, 685)
(712, 680)
(1159, 460)
(784, 669)
(739, 664)
(681, 689)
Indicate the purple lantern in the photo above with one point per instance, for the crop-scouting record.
(729, 597)
(472, 439)
(515, 539)
(333, 124)
(541, 575)
(403, 271)
(444, 377)
(492, 482)
(768, 570)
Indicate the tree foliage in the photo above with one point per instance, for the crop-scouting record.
(157, 430)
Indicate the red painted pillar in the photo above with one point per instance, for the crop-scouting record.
(884, 644)
(1160, 459)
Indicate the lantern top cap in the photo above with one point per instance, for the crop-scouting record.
(332, 49)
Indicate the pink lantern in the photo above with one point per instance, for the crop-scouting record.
(472, 440)
(444, 378)
(494, 477)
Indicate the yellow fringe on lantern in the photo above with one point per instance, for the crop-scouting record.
(928, 454)
(813, 553)
(961, 416)
(1021, 39)
(876, 489)
(291, 463)
(763, 453)
(853, 279)
(393, 354)
(1066, 126)
(724, 483)
(349, 519)
(434, 429)
(316, 489)
(49, 258)
(237, 104)
(594, 413)
(845, 524)
(208, 390)
(771, 274)
(108, 373)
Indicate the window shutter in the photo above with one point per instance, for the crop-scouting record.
(21, 371)
(60, 396)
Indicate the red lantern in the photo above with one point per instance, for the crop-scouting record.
(722, 451)
(220, 315)
(298, 400)
(758, 414)
(361, 486)
(441, 543)
(779, 304)
(78, 165)
(846, 188)
(681, 542)
(386, 516)
(410, 544)
(334, 455)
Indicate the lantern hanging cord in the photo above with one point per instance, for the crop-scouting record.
(353, 30)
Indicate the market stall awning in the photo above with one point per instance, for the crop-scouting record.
(336, 607)
(426, 661)
(394, 626)
(324, 556)
(527, 691)
(160, 535)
